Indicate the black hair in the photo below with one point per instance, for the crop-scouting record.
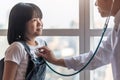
(20, 14)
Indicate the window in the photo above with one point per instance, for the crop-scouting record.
(62, 46)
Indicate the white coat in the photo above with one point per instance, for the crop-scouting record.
(109, 52)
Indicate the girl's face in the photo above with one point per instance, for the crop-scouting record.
(104, 7)
(34, 27)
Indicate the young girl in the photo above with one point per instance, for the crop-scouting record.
(25, 24)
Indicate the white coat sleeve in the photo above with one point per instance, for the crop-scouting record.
(101, 58)
(116, 57)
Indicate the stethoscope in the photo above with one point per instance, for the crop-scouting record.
(95, 52)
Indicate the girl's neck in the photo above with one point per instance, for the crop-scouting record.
(32, 42)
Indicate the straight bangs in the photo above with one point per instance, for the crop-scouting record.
(37, 13)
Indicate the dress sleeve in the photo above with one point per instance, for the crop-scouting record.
(101, 58)
(15, 53)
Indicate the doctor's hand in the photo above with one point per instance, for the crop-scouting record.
(46, 53)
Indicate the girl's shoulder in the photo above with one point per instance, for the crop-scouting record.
(16, 46)
(15, 52)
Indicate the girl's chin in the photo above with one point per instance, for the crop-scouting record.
(38, 34)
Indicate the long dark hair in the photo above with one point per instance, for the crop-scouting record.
(20, 14)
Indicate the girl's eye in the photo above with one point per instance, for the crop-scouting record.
(34, 20)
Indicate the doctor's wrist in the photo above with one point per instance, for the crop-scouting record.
(60, 62)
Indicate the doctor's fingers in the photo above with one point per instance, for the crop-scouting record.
(42, 55)
(45, 50)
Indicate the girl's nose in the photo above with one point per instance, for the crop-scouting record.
(40, 23)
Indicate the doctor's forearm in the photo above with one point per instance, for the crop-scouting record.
(60, 62)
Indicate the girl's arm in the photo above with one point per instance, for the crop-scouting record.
(10, 69)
